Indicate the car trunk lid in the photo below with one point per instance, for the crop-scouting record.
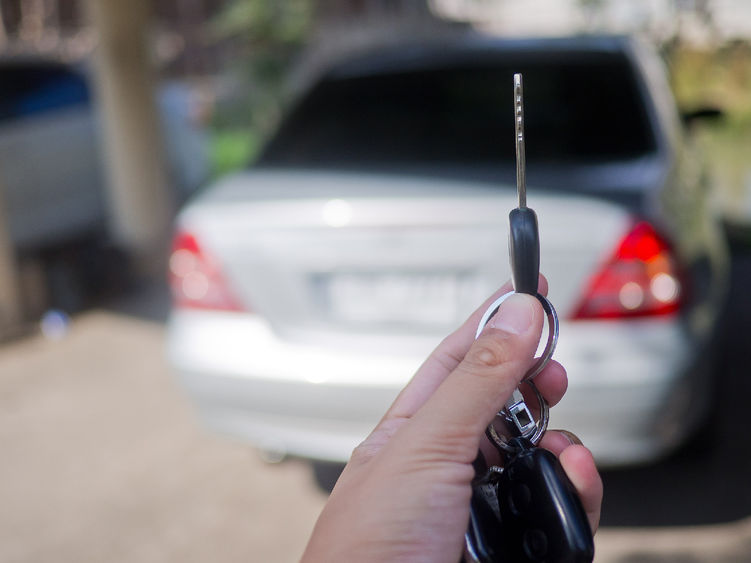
(383, 253)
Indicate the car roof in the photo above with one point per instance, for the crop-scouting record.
(31, 61)
(466, 48)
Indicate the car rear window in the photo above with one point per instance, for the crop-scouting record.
(578, 108)
(38, 88)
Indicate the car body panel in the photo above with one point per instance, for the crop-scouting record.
(276, 393)
(61, 196)
(405, 223)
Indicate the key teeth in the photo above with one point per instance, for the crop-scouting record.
(519, 129)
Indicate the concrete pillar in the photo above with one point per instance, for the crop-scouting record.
(10, 293)
(140, 196)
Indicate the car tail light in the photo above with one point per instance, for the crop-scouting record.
(195, 278)
(641, 279)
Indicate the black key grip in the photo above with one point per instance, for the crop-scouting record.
(524, 250)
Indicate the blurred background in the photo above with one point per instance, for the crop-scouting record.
(114, 115)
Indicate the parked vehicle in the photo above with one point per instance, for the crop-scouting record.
(50, 160)
(308, 288)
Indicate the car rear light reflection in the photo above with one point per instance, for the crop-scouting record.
(195, 279)
(641, 279)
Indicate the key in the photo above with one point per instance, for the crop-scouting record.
(524, 250)
(541, 515)
(542, 518)
(524, 237)
(527, 511)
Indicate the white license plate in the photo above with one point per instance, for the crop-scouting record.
(397, 298)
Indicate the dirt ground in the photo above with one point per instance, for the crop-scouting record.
(102, 459)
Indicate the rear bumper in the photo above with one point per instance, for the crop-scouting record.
(632, 395)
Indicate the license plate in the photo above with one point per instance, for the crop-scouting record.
(396, 298)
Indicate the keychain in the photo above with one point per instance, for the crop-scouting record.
(527, 510)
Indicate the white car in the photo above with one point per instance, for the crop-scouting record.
(308, 288)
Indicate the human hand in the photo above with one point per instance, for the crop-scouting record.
(404, 495)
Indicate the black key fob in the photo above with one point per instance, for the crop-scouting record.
(542, 518)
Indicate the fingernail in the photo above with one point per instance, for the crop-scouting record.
(515, 314)
(571, 437)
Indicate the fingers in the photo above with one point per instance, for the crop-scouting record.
(558, 440)
(457, 412)
(552, 383)
(444, 359)
(580, 467)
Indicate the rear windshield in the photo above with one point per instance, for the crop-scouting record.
(577, 109)
(37, 88)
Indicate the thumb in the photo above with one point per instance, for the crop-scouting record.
(467, 400)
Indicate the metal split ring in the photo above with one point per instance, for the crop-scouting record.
(540, 426)
(553, 328)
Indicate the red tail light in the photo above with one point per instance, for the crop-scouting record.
(641, 279)
(195, 279)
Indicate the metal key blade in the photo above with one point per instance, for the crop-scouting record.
(521, 159)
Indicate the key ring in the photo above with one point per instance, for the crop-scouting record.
(540, 426)
(553, 328)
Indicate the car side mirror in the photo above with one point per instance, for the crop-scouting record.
(706, 114)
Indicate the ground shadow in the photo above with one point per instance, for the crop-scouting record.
(148, 300)
(707, 481)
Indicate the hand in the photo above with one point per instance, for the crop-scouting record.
(404, 495)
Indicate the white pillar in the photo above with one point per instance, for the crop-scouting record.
(140, 197)
(10, 293)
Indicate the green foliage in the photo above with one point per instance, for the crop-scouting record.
(720, 78)
(714, 77)
(266, 37)
(264, 22)
(231, 149)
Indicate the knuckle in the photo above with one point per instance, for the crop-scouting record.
(490, 352)
(362, 453)
(369, 448)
